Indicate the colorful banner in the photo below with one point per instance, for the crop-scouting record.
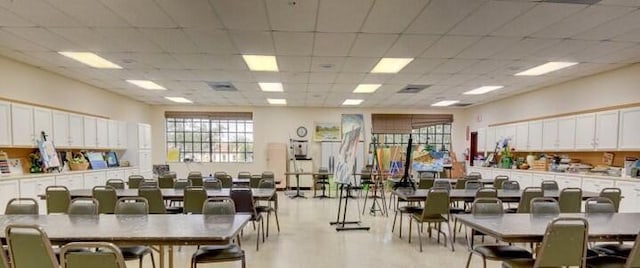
(346, 157)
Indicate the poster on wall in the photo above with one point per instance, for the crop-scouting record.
(327, 132)
(352, 121)
(346, 157)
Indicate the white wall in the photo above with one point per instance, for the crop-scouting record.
(278, 124)
(26, 83)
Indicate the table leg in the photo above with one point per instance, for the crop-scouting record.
(161, 254)
(170, 256)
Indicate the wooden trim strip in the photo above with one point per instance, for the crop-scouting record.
(52, 107)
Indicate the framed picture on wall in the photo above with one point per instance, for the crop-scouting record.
(352, 121)
(327, 132)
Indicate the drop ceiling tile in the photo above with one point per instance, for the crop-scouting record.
(333, 44)
(195, 14)
(10, 19)
(485, 66)
(600, 49)
(629, 55)
(342, 16)
(372, 45)
(524, 48)
(350, 77)
(612, 28)
(404, 78)
(561, 50)
(411, 45)
(40, 13)
(422, 65)
(294, 77)
(490, 16)
(327, 64)
(89, 13)
(457, 79)
(267, 77)
(586, 18)
(285, 16)
(141, 13)
(209, 40)
(486, 47)
(171, 40)
(145, 60)
(296, 44)
(250, 42)
(210, 61)
(328, 78)
(441, 15)
(431, 79)
(359, 64)
(344, 88)
(247, 15)
(376, 78)
(453, 66)
(12, 41)
(538, 18)
(117, 39)
(449, 46)
(294, 63)
(44, 38)
(318, 87)
(392, 16)
(632, 3)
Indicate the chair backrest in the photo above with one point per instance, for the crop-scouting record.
(155, 199)
(149, 183)
(474, 174)
(633, 260)
(525, 199)
(437, 203)
(132, 205)
(487, 192)
(254, 181)
(244, 175)
(166, 181)
(365, 174)
(428, 175)
(195, 173)
(570, 200)
(472, 185)
(194, 197)
(549, 186)
(544, 206)
(615, 194)
(58, 199)
(22, 206)
(219, 174)
(243, 200)
(511, 186)
(81, 255)
(83, 206)
(134, 181)
(487, 207)
(497, 182)
(267, 184)
(442, 184)
(219, 206)
(461, 183)
(29, 246)
(212, 184)
(195, 179)
(599, 205)
(425, 183)
(568, 234)
(181, 184)
(227, 181)
(116, 183)
(107, 198)
(268, 175)
(4, 263)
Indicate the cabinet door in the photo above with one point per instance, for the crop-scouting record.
(510, 133)
(90, 132)
(76, 130)
(535, 136)
(482, 139)
(5, 124)
(585, 131)
(522, 137)
(129, 172)
(500, 133)
(631, 193)
(122, 135)
(115, 175)
(92, 179)
(71, 181)
(595, 185)
(102, 133)
(42, 122)
(568, 181)
(537, 179)
(22, 125)
(144, 157)
(61, 129)
(566, 133)
(9, 190)
(550, 134)
(491, 139)
(112, 134)
(607, 130)
(144, 136)
(629, 129)
(523, 178)
(31, 188)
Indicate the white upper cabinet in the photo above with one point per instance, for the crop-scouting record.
(586, 131)
(61, 129)
(629, 136)
(122, 135)
(550, 134)
(566, 133)
(117, 134)
(482, 139)
(42, 122)
(76, 130)
(90, 132)
(5, 123)
(510, 133)
(535, 136)
(22, 125)
(491, 139)
(144, 136)
(113, 133)
(607, 130)
(102, 133)
(521, 142)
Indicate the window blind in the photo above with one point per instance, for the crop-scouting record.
(405, 123)
(210, 115)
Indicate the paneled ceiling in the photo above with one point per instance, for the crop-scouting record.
(324, 48)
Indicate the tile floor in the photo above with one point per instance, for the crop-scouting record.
(307, 241)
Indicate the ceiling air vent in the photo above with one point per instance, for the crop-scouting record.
(413, 89)
(222, 86)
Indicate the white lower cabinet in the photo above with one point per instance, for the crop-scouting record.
(93, 179)
(630, 196)
(523, 178)
(115, 175)
(568, 181)
(537, 179)
(33, 187)
(498, 172)
(75, 181)
(129, 172)
(595, 185)
(9, 189)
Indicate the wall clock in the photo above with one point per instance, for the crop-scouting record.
(301, 131)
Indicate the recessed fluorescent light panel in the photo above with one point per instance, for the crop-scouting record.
(482, 90)
(261, 63)
(366, 88)
(146, 84)
(391, 65)
(445, 103)
(277, 101)
(91, 59)
(352, 102)
(271, 87)
(179, 99)
(546, 68)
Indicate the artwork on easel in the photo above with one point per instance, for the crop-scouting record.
(350, 122)
(49, 156)
(346, 157)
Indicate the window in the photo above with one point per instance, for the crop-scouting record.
(211, 137)
(436, 136)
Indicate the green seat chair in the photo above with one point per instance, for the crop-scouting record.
(632, 260)
(194, 197)
(409, 209)
(570, 200)
(107, 198)
(166, 181)
(22, 206)
(245, 204)
(149, 183)
(134, 206)
(472, 185)
(80, 255)
(134, 181)
(564, 244)
(212, 184)
(227, 181)
(549, 185)
(492, 207)
(524, 206)
(599, 205)
(195, 178)
(269, 208)
(58, 199)
(544, 206)
(83, 206)
(499, 180)
(29, 247)
(4, 261)
(511, 186)
(221, 253)
(254, 180)
(116, 183)
(425, 183)
(219, 174)
(181, 184)
(604, 205)
(322, 181)
(244, 175)
(156, 201)
(435, 211)
(615, 194)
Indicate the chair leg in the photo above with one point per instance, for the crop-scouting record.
(400, 227)
(450, 236)
(484, 262)
(469, 259)
(275, 212)
(262, 224)
(257, 239)
(393, 227)
(244, 262)
(410, 223)
(153, 261)
(420, 235)
(140, 261)
(268, 219)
